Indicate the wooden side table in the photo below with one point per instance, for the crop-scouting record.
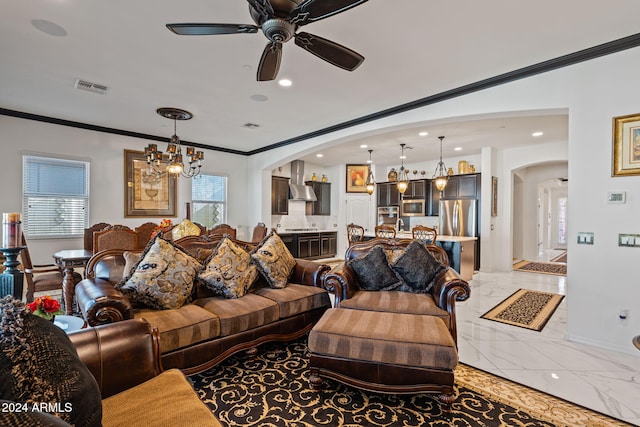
(11, 280)
(68, 259)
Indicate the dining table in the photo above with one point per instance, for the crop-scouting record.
(68, 260)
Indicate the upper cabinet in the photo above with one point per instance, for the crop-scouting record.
(279, 195)
(322, 206)
(417, 189)
(387, 194)
(462, 187)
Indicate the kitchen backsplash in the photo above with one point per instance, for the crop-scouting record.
(427, 221)
(297, 218)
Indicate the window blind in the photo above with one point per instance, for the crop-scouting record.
(55, 197)
(209, 200)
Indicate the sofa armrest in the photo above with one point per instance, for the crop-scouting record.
(121, 355)
(308, 273)
(342, 282)
(101, 303)
(448, 288)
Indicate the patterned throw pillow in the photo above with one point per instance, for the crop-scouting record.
(274, 261)
(184, 229)
(373, 271)
(417, 267)
(130, 260)
(40, 365)
(163, 278)
(229, 271)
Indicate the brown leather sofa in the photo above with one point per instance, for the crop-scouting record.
(390, 341)
(204, 332)
(124, 358)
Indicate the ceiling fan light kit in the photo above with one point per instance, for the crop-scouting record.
(279, 22)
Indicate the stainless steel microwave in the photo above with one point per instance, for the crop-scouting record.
(412, 207)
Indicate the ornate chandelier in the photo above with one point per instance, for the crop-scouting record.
(440, 175)
(174, 163)
(370, 184)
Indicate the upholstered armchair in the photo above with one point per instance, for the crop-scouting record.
(437, 297)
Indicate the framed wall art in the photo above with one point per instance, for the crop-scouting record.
(626, 145)
(494, 196)
(356, 178)
(149, 191)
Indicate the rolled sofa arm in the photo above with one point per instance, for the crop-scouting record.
(449, 287)
(342, 282)
(309, 273)
(101, 303)
(121, 355)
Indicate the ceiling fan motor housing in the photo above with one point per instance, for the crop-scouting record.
(278, 30)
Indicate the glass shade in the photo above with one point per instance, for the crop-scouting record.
(370, 188)
(175, 168)
(441, 182)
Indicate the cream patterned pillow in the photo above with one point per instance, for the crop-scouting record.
(228, 271)
(274, 261)
(184, 229)
(164, 277)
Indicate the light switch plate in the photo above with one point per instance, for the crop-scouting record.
(629, 240)
(617, 197)
(585, 238)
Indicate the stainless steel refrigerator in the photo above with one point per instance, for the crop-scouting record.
(459, 217)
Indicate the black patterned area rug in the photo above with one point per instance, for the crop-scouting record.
(559, 269)
(526, 309)
(272, 390)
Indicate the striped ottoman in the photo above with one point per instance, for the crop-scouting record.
(384, 352)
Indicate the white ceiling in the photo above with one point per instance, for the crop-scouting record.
(413, 49)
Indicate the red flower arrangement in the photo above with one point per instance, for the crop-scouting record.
(45, 307)
(165, 223)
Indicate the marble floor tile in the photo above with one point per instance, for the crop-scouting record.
(598, 379)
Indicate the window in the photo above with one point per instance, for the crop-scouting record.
(55, 197)
(209, 200)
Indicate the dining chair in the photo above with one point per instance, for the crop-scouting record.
(88, 234)
(41, 277)
(222, 229)
(144, 233)
(386, 231)
(425, 234)
(259, 232)
(116, 238)
(355, 233)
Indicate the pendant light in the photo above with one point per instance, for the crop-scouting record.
(371, 183)
(175, 165)
(440, 175)
(403, 176)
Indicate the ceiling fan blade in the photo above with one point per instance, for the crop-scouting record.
(263, 7)
(202, 29)
(332, 52)
(314, 10)
(270, 62)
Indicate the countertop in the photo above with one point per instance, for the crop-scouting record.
(440, 238)
(282, 231)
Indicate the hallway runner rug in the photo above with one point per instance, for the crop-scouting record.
(558, 269)
(526, 309)
(560, 258)
(272, 390)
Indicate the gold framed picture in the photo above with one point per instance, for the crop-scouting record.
(626, 145)
(357, 178)
(149, 190)
(494, 196)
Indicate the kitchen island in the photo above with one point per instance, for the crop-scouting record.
(460, 249)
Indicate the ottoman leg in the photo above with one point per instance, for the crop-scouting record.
(315, 381)
(446, 399)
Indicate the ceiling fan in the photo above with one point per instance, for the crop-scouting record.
(279, 20)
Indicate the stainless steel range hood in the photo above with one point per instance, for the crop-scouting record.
(298, 190)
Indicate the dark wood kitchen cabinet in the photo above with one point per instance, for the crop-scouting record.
(279, 195)
(387, 194)
(328, 244)
(417, 189)
(322, 206)
(433, 205)
(462, 187)
(309, 245)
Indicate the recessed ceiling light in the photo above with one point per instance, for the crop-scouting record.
(259, 97)
(423, 133)
(536, 134)
(285, 82)
(319, 155)
(363, 145)
(457, 149)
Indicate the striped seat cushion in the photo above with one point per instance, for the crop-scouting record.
(396, 302)
(295, 299)
(181, 327)
(241, 314)
(399, 339)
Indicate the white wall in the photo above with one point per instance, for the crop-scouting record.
(105, 153)
(601, 276)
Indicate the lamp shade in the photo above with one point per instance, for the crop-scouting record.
(441, 182)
